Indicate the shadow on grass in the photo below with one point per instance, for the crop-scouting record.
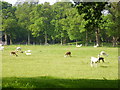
(51, 82)
(104, 66)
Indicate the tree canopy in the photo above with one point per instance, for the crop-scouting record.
(61, 23)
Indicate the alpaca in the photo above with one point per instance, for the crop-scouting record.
(67, 54)
(13, 53)
(1, 48)
(102, 53)
(18, 49)
(28, 54)
(96, 46)
(101, 58)
(21, 52)
(95, 60)
(28, 51)
(79, 45)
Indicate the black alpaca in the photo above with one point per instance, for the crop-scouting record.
(101, 58)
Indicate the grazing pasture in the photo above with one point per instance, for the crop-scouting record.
(47, 67)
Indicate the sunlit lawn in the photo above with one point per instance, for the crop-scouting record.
(48, 68)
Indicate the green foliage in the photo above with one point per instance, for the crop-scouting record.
(41, 20)
(92, 14)
(60, 22)
(115, 19)
(76, 24)
(112, 22)
(9, 22)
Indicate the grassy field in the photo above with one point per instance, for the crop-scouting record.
(48, 68)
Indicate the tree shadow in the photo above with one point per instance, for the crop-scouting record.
(52, 82)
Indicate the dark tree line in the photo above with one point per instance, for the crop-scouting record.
(62, 22)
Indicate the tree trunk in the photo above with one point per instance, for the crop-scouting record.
(64, 41)
(86, 43)
(11, 41)
(40, 42)
(61, 41)
(114, 41)
(53, 41)
(28, 37)
(97, 32)
(46, 38)
(6, 40)
(76, 42)
(1, 35)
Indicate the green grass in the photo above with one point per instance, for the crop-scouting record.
(48, 68)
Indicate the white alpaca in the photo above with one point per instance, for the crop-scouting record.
(1, 48)
(28, 51)
(96, 46)
(94, 61)
(79, 45)
(0, 45)
(18, 49)
(102, 53)
(28, 54)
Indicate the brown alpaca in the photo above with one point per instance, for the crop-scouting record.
(13, 53)
(67, 54)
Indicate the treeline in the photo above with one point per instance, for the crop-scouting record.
(62, 22)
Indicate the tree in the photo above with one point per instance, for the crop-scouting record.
(9, 22)
(114, 21)
(75, 25)
(59, 20)
(23, 15)
(92, 11)
(9, 27)
(43, 16)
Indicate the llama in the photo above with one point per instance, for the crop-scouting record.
(67, 54)
(13, 53)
